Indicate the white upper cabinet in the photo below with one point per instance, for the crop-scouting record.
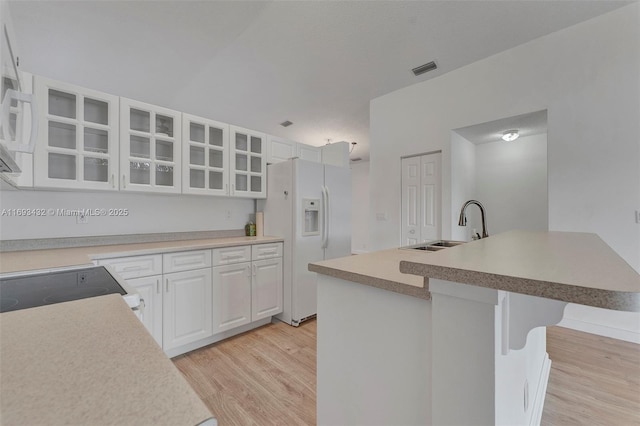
(279, 149)
(309, 153)
(150, 148)
(248, 162)
(205, 154)
(78, 137)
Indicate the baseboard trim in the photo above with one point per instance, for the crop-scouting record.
(601, 330)
(541, 391)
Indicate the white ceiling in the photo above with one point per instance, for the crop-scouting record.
(256, 64)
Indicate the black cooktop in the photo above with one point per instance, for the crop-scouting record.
(29, 291)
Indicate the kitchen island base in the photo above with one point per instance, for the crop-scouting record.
(374, 360)
(389, 358)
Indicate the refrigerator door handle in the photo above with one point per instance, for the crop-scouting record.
(325, 217)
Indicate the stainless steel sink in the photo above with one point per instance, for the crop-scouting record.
(433, 245)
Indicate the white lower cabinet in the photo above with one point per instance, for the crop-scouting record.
(266, 288)
(187, 308)
(150, 289)
(198, 297)
(231, 296)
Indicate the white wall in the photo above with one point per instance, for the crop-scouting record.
(511, 183)
(463, 187)
(360, 207)
(585, 76)
(148, 213)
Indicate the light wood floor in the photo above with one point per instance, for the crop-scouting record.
(268, 377)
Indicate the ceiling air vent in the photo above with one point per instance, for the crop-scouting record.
(424, 68)
(286, 123)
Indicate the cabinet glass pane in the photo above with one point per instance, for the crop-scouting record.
(215, 180)
(256, 184)
(62, 104)
(13, 122)
(215, 136)
(8, 83)
(164, 175)
(196, 155)
(164, 150)
(256, 145)
(164, 125)
(196, 132)
(62, 166)
(215, 158)
(256, 164)
(139, 172)
(140, 147)
(196, 178)
(96, 111)
(241, 142)
(139, 120)
(241, 162)
(96, 140)
(62, 135)
(241, 182)
(96, 169)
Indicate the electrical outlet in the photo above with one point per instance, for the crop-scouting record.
(228, 215)
(82, 218)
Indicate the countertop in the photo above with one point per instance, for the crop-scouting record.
(78, 256)
(567, 266)
(89, 362)
(378, 269)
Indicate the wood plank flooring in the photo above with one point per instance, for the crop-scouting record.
(263, 377)
(594, 380)
(268, 377)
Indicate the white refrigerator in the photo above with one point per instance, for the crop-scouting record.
(309, 205)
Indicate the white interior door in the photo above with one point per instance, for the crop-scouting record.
(421, 188)
(430, 197)
(410, 200)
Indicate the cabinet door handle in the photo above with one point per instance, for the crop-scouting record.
(167, 284)
(113, 180)
(233, 189)
(254, 270)
(158, 286)
(226, 188)
(124, 181)
(248, 271)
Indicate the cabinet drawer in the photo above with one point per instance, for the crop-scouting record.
(186, 260)
(228, 255)
(266, 251)
(135, 266)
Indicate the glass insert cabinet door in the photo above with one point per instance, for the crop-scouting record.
(205, 156)
(150, 154)
(248, 159)
(78, 137)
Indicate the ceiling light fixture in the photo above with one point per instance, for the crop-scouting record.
(353, 145)
(286, 123)
(510, 135)
(430, 66)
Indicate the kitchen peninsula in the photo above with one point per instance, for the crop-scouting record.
(468, 346)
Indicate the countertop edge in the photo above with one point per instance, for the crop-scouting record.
(600, 298)
(169, 249)
(381, 283)
(61, 258)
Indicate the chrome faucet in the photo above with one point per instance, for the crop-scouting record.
(463, 219)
